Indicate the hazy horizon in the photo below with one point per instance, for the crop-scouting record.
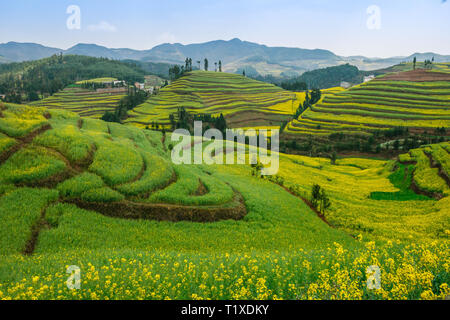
(391, 28)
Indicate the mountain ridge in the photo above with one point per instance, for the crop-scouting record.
(235, 54)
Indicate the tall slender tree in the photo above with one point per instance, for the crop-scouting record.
(206, 64)
(220, 65)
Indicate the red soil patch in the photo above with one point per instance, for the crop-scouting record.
(419, 75)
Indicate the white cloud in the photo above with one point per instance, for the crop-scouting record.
(166, 37)
(102, 26)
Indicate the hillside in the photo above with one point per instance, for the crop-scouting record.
(85, 102)
(333, 76)
(28, 81)
(18, 52)
(71, 190)
(244, 102)
(418, 101)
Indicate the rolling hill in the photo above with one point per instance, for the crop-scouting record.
(85, 102)
(244, 102)
(107, 198)
(50, 75)
(418, 100)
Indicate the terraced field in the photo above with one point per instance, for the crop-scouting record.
(431, 175)
(419, 100)
(97, 80)
(107, 198)
(244, 102)
(108, 168)
(86, 103)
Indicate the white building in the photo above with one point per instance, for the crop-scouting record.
(345, 84)
(119, 82)
(369, 78)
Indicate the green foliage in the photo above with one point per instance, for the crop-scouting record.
(158, 173)
(116, 161)
(76, 186)
(401, 179)
(319, 199)
(68, 140)
(18, 121)
(5, 142)
(48, 76)
(30, 164)
(104, 194)
(187, 185)
(19, 211)
(425, 177)
(326, 78)
(95, 125)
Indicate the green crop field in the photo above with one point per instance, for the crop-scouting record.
(107, 198)
(244, 102)
(87, 103)
(415, 99)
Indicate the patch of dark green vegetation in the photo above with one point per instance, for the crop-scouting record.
(401, 179)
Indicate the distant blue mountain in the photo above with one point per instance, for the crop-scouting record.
(235, 55)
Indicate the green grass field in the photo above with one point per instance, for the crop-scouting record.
(107, 198)
(393, 100)
(244, 102)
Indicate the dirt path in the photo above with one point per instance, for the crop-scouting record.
(36, 228)
(22, 142)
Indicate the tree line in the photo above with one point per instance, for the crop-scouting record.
(177, 71)
(182, 119)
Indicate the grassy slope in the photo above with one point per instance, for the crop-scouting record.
(214, 93)
(86, 103)
(377, 105)
(281, 249)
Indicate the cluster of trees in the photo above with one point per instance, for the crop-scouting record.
(182, 119)
(310, 99)
(325, 78)
(294, 85)
(218, 65)
(28, 81)
(133, 98)
(177, 71)
(319, 199)
(429, 64)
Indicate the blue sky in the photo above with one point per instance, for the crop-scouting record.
(406, 26)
